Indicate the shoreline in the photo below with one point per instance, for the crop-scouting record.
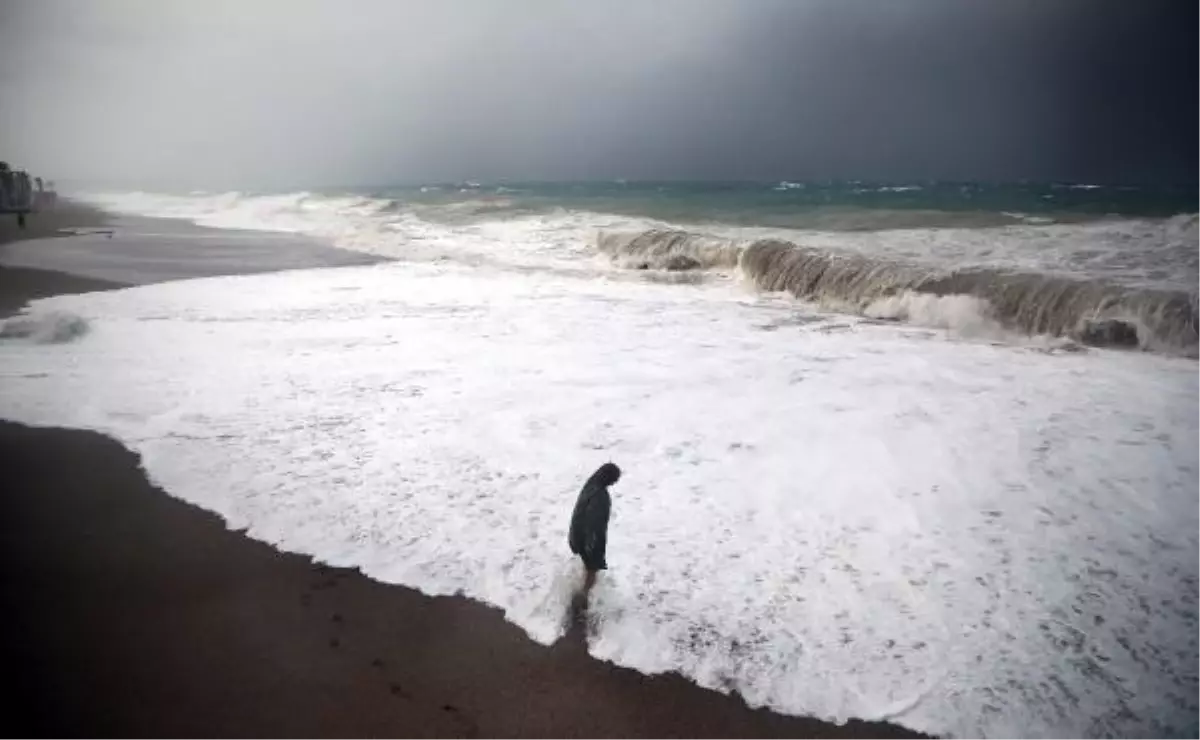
(130, 612)
(54, 222)
(134, 250)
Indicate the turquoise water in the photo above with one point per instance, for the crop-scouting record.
(844, 205)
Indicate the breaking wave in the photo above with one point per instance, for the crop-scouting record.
(54, 327)
(1091, 311)
(667, 249)
(1127, 282)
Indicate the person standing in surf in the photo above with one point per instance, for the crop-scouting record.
(588, 536)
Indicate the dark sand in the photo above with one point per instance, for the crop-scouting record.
(129, 613)
(19, 285)
(67, 215)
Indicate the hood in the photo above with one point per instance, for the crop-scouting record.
(606, 475)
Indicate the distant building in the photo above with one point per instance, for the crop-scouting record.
(22, 194)
(17, 193)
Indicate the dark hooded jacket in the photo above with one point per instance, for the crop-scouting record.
(589, 522)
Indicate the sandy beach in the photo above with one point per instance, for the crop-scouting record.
(130, 613)
(62, 220)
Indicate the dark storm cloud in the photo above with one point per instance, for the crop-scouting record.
(322, 93)
(1131, 79)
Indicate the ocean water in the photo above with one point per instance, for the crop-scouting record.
(869, 472)
(1032, 259)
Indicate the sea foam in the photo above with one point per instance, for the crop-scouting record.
(829, 515)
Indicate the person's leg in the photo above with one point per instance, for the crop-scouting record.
(20, 219)
(577, 610)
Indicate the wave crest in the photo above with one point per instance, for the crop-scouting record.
(1087, 310)
(1033, 303)
(666, 249)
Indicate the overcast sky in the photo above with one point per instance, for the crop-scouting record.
(295, 93)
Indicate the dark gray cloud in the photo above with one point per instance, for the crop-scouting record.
(303, 93)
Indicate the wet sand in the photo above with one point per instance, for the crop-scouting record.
(67, 215)
(129, 613)
(125, 249)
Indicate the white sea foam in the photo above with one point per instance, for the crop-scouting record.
(834, 517)
(965, 315)
(889, 189)
(1028, 218)
(468, 231)
(1157, 253)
